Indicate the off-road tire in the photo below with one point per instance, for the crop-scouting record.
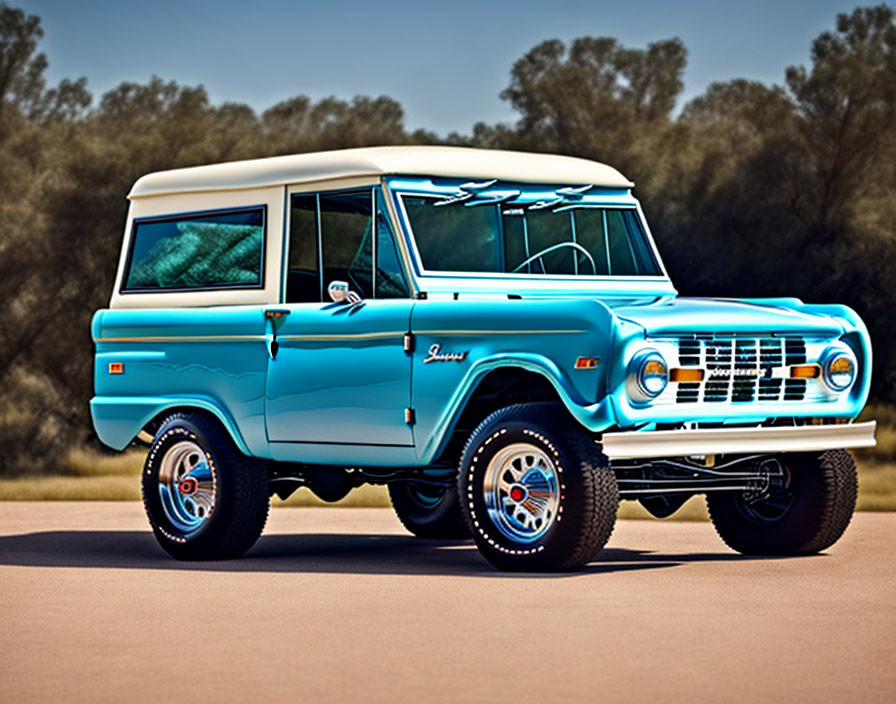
(427, 514)
(241, 492)
(588, 494)
(824, 487)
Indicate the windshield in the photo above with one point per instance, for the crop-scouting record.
(495, 227)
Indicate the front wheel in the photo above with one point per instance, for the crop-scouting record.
(804, 510)
(537, 493)
(205, 500)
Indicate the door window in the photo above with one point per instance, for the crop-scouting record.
(390, 280)
(332, 238)
(346, 228)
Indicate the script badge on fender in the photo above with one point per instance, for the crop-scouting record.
(435, 354)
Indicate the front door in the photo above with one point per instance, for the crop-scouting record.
(337, 371)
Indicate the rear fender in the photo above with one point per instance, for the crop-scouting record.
(118, 419)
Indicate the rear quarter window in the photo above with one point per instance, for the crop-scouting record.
(223, 249)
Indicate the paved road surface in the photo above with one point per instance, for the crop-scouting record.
(340, 605)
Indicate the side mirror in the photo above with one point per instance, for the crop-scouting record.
(340, 293)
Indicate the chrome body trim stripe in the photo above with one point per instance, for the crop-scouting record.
(346, 336)
(499, 332)
(737, 441)
(183, 338)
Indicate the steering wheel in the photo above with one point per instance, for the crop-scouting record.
(546, 250)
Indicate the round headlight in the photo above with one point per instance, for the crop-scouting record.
(649, 375)
(839, 369)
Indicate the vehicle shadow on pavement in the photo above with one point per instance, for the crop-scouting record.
(306, 553)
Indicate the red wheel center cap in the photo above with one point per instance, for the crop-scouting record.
(189, 486)
(517, 493)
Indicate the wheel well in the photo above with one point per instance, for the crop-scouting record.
(497, 389)
(153, 425)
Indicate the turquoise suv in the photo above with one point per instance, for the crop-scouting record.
(491, 334)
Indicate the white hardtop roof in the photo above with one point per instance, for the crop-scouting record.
(452, 162)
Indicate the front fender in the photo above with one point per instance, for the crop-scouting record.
(588, 414)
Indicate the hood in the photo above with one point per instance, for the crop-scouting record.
(689, 315)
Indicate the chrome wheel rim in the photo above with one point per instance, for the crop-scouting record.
(522, 492)
(187, 486)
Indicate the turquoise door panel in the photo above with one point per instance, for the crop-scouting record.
(340, 375)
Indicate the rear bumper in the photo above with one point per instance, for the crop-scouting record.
(736, 441)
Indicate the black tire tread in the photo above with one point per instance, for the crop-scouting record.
(598, 485)
(249, 505)
(835, 507)
(839, 467)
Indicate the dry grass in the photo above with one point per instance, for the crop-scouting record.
(366, 496)
(84, 463)
(877, 487)
(885, 451)
(60, 488)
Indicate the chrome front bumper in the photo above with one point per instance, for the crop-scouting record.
(737, 441)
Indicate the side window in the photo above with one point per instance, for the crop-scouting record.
(212, 250)
(347, 235)
(303, 283)
(390, 280)
(346, 227)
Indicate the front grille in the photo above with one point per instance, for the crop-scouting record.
(741, 369)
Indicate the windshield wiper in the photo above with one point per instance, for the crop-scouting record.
(467, 191)
(568, 196)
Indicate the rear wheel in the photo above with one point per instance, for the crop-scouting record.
(428, 512)
(205, 500)
(536, 491)
(805, 509)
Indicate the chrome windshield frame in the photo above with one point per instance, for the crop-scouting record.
(396, 187)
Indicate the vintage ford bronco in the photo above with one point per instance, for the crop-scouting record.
(492, 334)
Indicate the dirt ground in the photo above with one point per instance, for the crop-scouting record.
(337, 605)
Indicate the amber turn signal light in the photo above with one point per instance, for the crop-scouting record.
(116, 367)
(687, 375)
(587, 362)
(805, 371)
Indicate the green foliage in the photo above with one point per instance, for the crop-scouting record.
(751, 190)
(596, 99)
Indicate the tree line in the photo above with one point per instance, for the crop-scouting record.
(751, 190)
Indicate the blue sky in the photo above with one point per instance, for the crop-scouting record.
(445, 62)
